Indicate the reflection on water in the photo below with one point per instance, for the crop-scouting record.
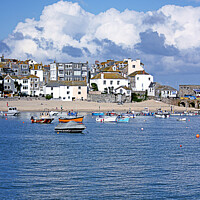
(108, 161)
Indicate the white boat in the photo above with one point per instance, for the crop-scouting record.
(53, 113)
(106, 118)
(70, 127)
(162, 114)
(182, 119)
(12, 111)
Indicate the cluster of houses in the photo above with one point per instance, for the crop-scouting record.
(76, 81)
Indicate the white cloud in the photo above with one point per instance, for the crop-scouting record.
(64, 28)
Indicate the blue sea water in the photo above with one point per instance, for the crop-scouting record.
(108, 161)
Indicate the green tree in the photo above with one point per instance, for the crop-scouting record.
(94, 87)
(18, 87)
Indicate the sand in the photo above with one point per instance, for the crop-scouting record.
(84, 106)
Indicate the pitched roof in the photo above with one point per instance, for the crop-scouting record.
(123, 86)
(138, 73)
(109, 76)
(165, 87)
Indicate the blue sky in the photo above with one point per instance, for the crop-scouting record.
(163, 34)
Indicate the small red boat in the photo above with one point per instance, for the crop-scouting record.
(44, 118)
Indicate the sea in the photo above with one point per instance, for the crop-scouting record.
(147, 158)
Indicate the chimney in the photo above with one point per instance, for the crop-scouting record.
(102, 76)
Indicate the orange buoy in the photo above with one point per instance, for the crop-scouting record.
(180, 145)
(23, 122)
(6, 118)
(197, 135)
(57, 132)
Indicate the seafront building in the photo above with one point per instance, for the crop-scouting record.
(68, 71)
(67, 90)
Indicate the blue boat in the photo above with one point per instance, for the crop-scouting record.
(97, 113)
(122, 119)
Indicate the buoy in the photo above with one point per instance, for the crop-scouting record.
(142, 129)
(5, 114)
(57, 132)
(188, 120)
(6, 118)
(197, 135)
(180, 145)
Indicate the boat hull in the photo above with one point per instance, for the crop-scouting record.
(68, 119)
(123, 119)
(42, 121)
(106, 119)
(97, 113)
(71, 127)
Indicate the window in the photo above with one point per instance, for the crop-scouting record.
(25, 87)
(35, 72)
(77, 73)
(137, 78)
(67, 87)
(68, 97)
(25, 81)
(104, 82)
(51, 88)
(36, 80)
(121, 91)
(149, 79)
(128, 92)
(68, 92)
(118, 82)
(79, 92)
(133, 66)
(5, 87)
(35, 85)
(111, 82)
(79, 87)
(8, 81)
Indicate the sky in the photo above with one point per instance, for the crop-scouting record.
(164, 35)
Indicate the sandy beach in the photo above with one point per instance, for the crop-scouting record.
(84, 106)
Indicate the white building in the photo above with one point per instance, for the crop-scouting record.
(134, 65)
(108, 82)
(123, 90)
(140, 80)
(30, 85)
(67, 90)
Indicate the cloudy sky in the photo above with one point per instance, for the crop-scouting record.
(165, 34)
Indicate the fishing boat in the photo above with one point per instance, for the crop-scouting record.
(12, 111)
(70, 127)
(71, 118)
(45, 118)
(106, 118)
(122, 119)
(130, 115)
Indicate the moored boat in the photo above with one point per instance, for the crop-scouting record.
(182, 119)
(97, 113)
(12, 111)
(44, 118)
(106, 118)
(70, 127)
(122, 119)
(71, 118)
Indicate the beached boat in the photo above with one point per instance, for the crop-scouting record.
(71, 118)
(45, 118)
(70, 127)
(97, 113)
(106, 118)
(12, 111)
(122, 119)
